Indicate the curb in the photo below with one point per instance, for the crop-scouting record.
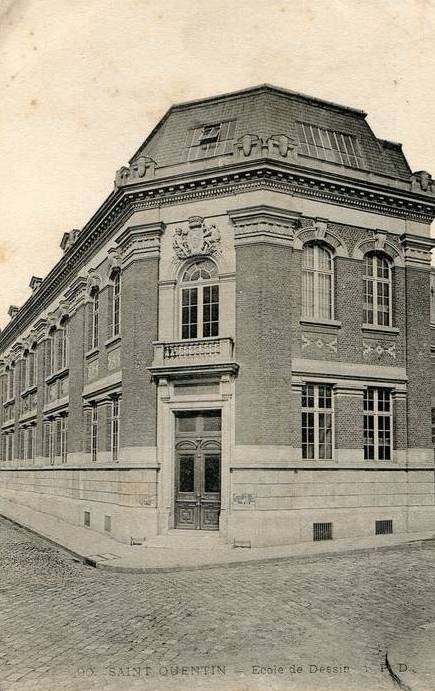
(103, 566)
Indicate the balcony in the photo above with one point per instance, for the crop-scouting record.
(196, 356)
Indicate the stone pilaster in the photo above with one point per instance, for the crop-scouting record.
(418, 355)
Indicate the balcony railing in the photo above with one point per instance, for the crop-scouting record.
(193, 353)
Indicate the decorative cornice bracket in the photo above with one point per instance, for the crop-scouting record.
(140, 242)
(264, 224)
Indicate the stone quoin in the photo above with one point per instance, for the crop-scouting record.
(239, 340)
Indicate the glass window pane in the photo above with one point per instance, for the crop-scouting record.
(212, 421)
(186, 473)
(212, 480)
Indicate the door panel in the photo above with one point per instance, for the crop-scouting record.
(186, 509)
(198, 472)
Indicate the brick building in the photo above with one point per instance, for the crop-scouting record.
(238, 340)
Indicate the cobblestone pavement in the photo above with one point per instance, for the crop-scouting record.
(67, 625)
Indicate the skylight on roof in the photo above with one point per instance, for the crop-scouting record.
(209, 140)
(329, 145)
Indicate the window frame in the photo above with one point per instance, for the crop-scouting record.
(329, 145)
(200, 286)
(114, 429)
(376, 414)
(95, 319)
(116, 304)
(316, 410)
(375, 281)
(94, 434)
(316, 271)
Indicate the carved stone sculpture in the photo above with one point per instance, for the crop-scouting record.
(422, 181)
(196, 239)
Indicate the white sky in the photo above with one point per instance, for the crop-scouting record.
(82, 82)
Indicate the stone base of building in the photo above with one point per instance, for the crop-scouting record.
(123, 502)
(112, 501)
(269, 528)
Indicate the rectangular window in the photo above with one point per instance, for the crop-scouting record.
(29, 444)
(209, 140)
(189, 313)
(11, 383)
(10, 446)
(23, 374)
(30, 376)
(317, 422)
(117, 305)
(116, 405)
(210, 309)
(94, 434)
(87, 519)
(377, 424)
(52, 441)
(329, 145)
(95, 315)
(64, 439)
(433, 426)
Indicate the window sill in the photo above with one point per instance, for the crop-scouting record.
(309, 321)
(93, 351)
(10, 401)
(29, 390)
(56, 375)
(8, 423)
(113, 341)
(380, 329)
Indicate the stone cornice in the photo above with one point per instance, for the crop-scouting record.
(417, 251)
(269, 174)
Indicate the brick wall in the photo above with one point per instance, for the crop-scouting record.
(76, 373)
(138, 330)
(418, 357)
(348, 421)
(263, 342)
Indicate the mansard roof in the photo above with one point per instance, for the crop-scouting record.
(268, 110)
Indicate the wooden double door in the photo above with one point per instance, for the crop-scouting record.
(198, 470)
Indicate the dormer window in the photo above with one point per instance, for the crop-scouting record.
(210, 134)
(212, 139)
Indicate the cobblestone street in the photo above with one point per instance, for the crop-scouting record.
(66, 625)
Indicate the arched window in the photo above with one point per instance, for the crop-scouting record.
(377, 290)
(200, 300)
(317, 282)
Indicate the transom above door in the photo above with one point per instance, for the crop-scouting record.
(198, 470)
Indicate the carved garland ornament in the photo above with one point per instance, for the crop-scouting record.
(197, 239)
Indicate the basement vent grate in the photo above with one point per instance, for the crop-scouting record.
(108, 524)
(384, 527)
(87, 519)
(322, 531)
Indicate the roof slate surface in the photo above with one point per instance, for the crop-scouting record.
(268, 110)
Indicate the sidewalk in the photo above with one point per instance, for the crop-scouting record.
(103, 552)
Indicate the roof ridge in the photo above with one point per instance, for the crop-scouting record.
(263, 88)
